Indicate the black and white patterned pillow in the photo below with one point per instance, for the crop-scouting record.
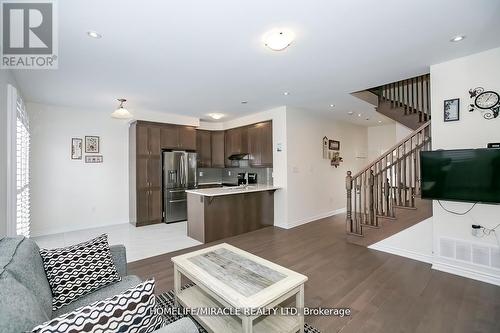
(79, 269)
(131, 311)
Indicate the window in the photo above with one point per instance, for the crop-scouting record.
(22, 170)
(18, 166)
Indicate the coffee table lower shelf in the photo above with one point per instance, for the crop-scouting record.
(194, 297)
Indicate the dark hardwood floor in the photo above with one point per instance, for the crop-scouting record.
(386, 293)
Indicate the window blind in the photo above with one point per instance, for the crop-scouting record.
(23, 217)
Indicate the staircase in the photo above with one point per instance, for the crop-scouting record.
(384, 197)
(405, 101)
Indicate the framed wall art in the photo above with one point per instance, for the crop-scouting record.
(334, 145)
(92, 144)
(451, 110)
(76, 148)
(93, 159)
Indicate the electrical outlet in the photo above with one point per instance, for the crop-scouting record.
(201, 174)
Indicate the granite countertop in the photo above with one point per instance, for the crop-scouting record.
(213, 192)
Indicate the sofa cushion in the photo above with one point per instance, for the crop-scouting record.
(20, 310)
(131, 311)
(78, 270)
(26, 266)
(127, 282)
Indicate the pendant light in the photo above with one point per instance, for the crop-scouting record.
(121, 112)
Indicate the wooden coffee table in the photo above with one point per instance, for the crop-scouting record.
(232, 279)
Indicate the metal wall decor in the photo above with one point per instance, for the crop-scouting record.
(488, 102)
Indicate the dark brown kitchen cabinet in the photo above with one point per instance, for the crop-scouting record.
(260, 144)
(204, 148)
(217, 141)
(178, 137)
(145, 173)
(236, 142)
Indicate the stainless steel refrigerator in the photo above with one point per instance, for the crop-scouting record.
(179, 174)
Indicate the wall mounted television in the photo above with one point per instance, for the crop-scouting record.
(470, 175)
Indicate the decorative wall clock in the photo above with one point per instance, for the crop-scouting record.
(488, 102)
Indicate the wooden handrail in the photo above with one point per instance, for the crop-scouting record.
(390, 181)
(393, 148)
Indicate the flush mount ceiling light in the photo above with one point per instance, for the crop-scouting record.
(278, 39)
(94, 34)
(216, 116)
(121, 112)
(350, 113)
(457, 38)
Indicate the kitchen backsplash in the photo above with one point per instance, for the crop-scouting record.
(230, 175)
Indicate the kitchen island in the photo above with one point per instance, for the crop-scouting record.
(217, 213)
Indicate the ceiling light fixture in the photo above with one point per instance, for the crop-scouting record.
(359, 114)
(286, 93)
(350, 113)
(457, 38)
(216, 116)
(332, 105)
(380, 121)
(244, 102)
(121, 112)
(278, 39)
(94, 34)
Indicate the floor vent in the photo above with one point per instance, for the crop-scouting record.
(477, 254)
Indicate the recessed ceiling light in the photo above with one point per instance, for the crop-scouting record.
(244, 102)
(216, 116)
(457, 38)
(332, 105)
(286, 93)
(350, 113)
(94, 34)
(278, 39)
(359, 114)
(380, 121)
(367, 118)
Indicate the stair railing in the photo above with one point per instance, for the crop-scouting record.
(411, 94)
(392, 180)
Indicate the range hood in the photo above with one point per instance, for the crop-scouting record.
(238, 157)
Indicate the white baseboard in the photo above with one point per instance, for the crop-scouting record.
(314, 218)
(402, 252)
(55, 231)
(466, 272)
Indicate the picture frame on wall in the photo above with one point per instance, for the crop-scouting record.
(91, 144)
(93, 159)
(334, 145)
(451, 110)
(76, 148)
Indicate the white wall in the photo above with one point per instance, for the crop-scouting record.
(453, 79)
(70, 194)
(315, 188)
(380, 139)
(6, 78)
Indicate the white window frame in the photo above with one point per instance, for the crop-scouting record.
(12, 99)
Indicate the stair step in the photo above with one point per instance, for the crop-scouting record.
(405, 207)
(386, 217)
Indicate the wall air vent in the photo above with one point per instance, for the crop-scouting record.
(472, 253)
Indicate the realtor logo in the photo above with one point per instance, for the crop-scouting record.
(29, 34)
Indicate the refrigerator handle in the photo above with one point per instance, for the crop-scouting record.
(181, 171)
(186, 170)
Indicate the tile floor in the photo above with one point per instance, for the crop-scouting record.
(143, 242)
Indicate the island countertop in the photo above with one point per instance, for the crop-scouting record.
(213, 192)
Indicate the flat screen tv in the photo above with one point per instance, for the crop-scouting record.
(471, 175)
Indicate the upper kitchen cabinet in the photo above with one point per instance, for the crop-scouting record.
(236, 142)
(204, 149)
(260, 144)
(217, 141)
(178, 137)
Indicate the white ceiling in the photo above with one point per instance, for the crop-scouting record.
(197, 57)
